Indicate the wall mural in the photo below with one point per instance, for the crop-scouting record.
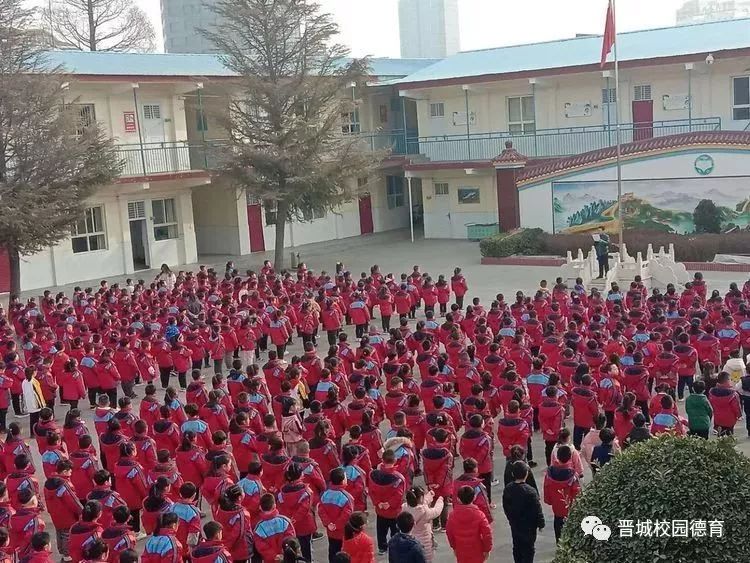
(656, 205)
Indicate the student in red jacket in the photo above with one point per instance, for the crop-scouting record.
(459, 287)
(118, 536)
(131, 482)
(25, 522)
(360, 315)
(109, 499)
(335, 507)
(271, 530)
(85, 465)
(211, 549)
(275, 463)
(85, 530)
(512, 429)
(72, 387)
(468, 530)
(726, 405)
(108, 376)
(561, 487)
(295, 501)
(387, 489)
(163, 546)
(235, 521)
(551, 420)
(62, 504)
(477, 444)
(40, 549)
(585, 408)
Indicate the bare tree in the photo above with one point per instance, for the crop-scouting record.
(50, 161)
(99, 25)
(295, 82)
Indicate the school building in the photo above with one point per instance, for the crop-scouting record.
(490, 137)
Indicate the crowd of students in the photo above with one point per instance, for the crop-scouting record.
(277, 450)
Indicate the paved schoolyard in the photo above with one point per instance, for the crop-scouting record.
(393, 252)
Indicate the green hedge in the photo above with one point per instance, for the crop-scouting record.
(665, 479)
(526, 242)
(688, 248)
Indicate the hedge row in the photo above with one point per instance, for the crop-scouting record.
(688, 248)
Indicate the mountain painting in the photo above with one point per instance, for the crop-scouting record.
(655, 205)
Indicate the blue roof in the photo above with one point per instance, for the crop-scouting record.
(179, 65)
(579, 51)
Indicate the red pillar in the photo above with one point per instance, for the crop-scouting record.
(507, 167)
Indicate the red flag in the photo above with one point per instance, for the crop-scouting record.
(609, 33)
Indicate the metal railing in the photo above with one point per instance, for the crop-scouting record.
(154, 158)
(397, 141)
(550, 142)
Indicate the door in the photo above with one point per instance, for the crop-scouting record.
(365, 214)
(643, 113)
(4, 271)
(138, 234)
(437, 219)
(157, 157)
(255, 226)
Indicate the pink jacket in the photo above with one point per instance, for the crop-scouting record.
(423, 517)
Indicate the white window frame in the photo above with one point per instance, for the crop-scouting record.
(442, 189)
(394, 197)
(642, 93)
(437, 110)
(527, 126)
(86, 117)
(168, 228)
(472, 188)
(350, 124)
(609, 95)
(270, 212)
(90, 231)
(735, 105)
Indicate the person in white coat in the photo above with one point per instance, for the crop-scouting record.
(420, 505)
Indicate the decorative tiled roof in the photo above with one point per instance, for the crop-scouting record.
(510, 157)
(728, 139)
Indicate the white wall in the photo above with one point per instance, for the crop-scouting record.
(535, 200)
(59, 265)
(219, 224)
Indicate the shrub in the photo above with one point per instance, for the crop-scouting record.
(525, 242)
(666, 478)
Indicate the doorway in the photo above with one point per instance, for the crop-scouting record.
(138, 234)
(157, 157)
(643, 113)
(138, 243)
(255, 226)
(366, 225)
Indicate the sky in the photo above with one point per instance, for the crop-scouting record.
(370, 27)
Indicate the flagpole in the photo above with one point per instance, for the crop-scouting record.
(621, 215)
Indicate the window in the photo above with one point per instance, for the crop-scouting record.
(437, 109)
(350, 122)
(136, 210)
(441, 188)
(383, 113)
(201, 120)
(86, 117)
(741, 98)
(151, 111)
(521, 118)
(609, 95)
(271, 212)
(310, 214)
(165, 219)
(642, 92)
(468, 195)
(89, 233)
(395, 191)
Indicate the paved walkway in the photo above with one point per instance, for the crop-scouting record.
(395, 253)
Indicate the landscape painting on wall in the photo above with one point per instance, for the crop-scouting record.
(653, 205)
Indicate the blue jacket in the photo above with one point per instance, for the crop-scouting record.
(403, 548)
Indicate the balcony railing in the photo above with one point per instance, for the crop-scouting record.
(550, 142)
(155, 158)
(397, 141)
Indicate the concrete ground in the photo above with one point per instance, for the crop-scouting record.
(395, 253)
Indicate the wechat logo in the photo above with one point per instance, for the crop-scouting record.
(592, 526)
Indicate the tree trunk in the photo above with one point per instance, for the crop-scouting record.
(92, 25)
(14, 259)
(278, 254)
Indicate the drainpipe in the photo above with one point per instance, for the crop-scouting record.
(202, 123)
(465, 88)
(689, 68)
(411, 209)
(138, 125)
(532, 81)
